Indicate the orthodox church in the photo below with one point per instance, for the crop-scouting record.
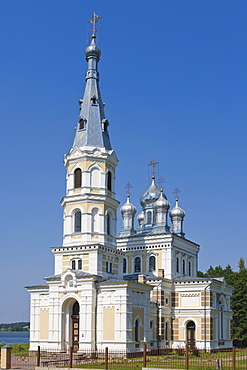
(122, 292)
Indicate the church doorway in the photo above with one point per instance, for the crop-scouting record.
(190, 334)
(70, 324)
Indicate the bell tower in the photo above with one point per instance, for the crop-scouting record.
(90, 207)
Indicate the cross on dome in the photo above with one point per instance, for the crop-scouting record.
(128, 187)
(176, 191)
(94, 20)
(153, 164)
(161, 181)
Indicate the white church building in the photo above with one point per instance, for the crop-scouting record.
(122, 292)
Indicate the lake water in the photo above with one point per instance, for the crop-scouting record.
(11, 338)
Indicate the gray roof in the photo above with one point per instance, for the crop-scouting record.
(94, 132)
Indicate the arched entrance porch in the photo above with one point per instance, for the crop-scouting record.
(70, 324)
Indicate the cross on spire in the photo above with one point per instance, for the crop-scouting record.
(153, 164)
(161, 181)
(176, 191)
(128, 187)
(94, 20)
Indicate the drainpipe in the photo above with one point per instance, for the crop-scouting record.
(158, 315)
(205, 336)
(95, 317)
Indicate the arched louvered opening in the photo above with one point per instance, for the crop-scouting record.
(77, 178)
(109, 181)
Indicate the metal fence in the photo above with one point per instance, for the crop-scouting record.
(165, 358)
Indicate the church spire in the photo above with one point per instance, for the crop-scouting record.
(92, 126)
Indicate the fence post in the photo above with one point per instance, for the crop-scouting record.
(233, 359)
(187, 358)
(145, 355)
(106, 358)
(70, 357)
(6, 357)
(38, 357)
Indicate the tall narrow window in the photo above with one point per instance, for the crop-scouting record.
(137, 263)
(149, 217)
(77, 178)
(77, 222)
(177, 263)
(73, 265)
(189, 268)
(109, 181)
(136, 331)
(152, 263)
(79, 264)
(124, 265)
(108, 224)
(166, 331)
(183, 267)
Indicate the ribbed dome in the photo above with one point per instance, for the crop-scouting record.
(92, 50)
(177, 211)
(150, 195)
(128, 208)
(162, 203)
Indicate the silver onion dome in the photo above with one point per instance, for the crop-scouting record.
(177, 211)
(140, 218)
(150, 196)
(92, 50)
(162, 203)
(128, 208)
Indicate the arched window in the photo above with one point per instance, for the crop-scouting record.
(137, 264)
(177, 263)
(77, 178)
(152, 263)
(149, 217)
(136, 331)
(183, 267)
(189, 268)
(109, 181)
(108, 224)
(77, 222)
(124, 265)
(95, 178)
(95, 220)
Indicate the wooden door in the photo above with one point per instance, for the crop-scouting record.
(190, 331)
(75, 327)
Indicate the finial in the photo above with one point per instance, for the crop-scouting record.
(153, 164)
(176, 191)
(161, 181)
(128, 187)
(94, 20)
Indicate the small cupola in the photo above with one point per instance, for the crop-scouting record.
(128, 211)
(177, 215)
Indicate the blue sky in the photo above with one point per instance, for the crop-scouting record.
(173, 77)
